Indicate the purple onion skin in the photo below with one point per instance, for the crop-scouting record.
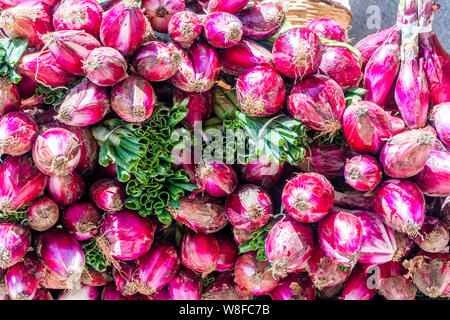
(15, 241)
(261, 21)
(105, 67)
(66, 190)
(185, 286)
(17, 133)
(184, 27)
(327, 160)
(110, 292)
(297, 286)
(21, 282)
(42, 214)
(199, 107)
(231, 6)
(262, 171)
(107, 195)
(162, 294)
(434, 179)
(356, 286)
(328, 29)
(433, 236)
(371, 43)
(363, 173)
(216, 178)
(9, 96)
(200, 252)
(353, 200)
(222, 30)
(84, 293)
(224, 288)
(441, 115)
(159, 12)
(81, 220)
(228, 253)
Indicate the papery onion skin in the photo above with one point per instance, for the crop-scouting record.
(200, 252)
(262, 20)
(81, 220)
(185, 286)
(84, 293)
(15, 241)
(401, 205)
(434, 179)
(228, 253)
(308, 197)
(297, 286)
(162, 294)
(107, 194)
(110, 292)
(9, 96)
(398, 288)
(92, 277)
(216, 178)
(433, 236)
(327, 160)
(21, 282)
(262, 171)
(222, 30)
(240, 236)
(17, 133)
(159, 12)
(328, 29)
(363, 173)
(224, 288)
(89, 150)
(231, 6)
(371, 43)
(184, 27)
(405, 245)
(42, 214)
(441, 117)
(200, 105)
(105, 67)
(124, 278)
(353, 200)
(356, 286)
(66, 190)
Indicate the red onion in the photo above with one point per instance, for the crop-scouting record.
(353, 200)
(205, 214)
(199, 107)
(21, 282)
(185, 286)
(224, 288)
(159, 12)
(363, 173)
(110, 292)
(434, 179)
(222, 29)
(356, 286)
(62, 255)
(381, 70)
(42, 214)
(328, 29)
(308, 197)
(78, 15)
(84, 293)
(17, 133)
(378, 242)
(297, 286)
(319, 103)
(288, 245)
(105, 67)
(231, 6)
(184, 27)
(81, 220)
(125, 235)
(28, 19)
(43, 67)
(366, 127)
(216, 178)
(15, 241)
(240, 236)
(157, 61)
(107, 194)
(20, 182)
(200, 252)
(228, 253)
(249, 208)
(397, 124)
(324, 272)
(262, 171)
(433, 236)
(330, 293)
(297, 53)
(441, 118)
(124, 278)
(243, 56)
(406, 154)
(253, 276)
(66, 190)
(262, 20)
(198, 70)
(162, 294)
(92, 277)
(56, 152)
(123, 27)
(9, 96)
(405, 245)
(401, 205)
(372, 42)
(398, 288)
(260, 91)
(109, 171)
(156, 268)
(327, 160)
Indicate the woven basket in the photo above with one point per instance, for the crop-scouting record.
(303, 11)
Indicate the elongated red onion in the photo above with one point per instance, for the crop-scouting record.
(433, 236)
(401, 205)
(216, 178)
(9, 96)
(84, 293)
(185, 286)
(105, 66)
(253, 276)
(288, 245)
(92, 277)
(319, 103)
(43, 67)
(356, 286)
(42, 214)
(372, 42)
(21, 282)
(28, 19)
(363, 173)
(184, 27)
(441, 118)
(249, 208)
(224, 288)
(200, 252)
(308, 197)
(434, 179)
(125, 235)
(124, 278)
(327, 160)
(297, 286)
(20, 182)
(262, 20)
(15, 241)
(17, 133)
(228, 253)
(222, 29)
(199, 107)
(366, 127)
(260, 91)
(198, 70)
(159, 12)
(81, 220)
(62, 254)
(156, 268)
(110, 292)
(328, 29)
(297, 53)
(66, 190)
(202, 214)
(262, 171)
(107, 194)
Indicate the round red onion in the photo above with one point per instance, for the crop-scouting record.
(200, 252)
(222, 29)
(125, 235)
(42, 214)
(228, 253)
(84, 293)
(9, 96)
(434, 179)
(366, 127)
(124, 278)
(78, 15)
(184, 27)
(205, 214)
(356, 286)
(297, 286)
(328, 29)
(363, 173)
(288, 245)
(340, 236)
(297, 53)
(17, 133)
(441, 117)
(327, 160)
(199, 107)
(66, 190)
(262, 171)
(401, 205)
(249, 208)
(433, 236)
(308, 197)
(185, 286)
(157, 61)
(15, 241)
(110, 292)
(107, 194)
(20, 182)
(159, 12)
(105, 67)
(224, 288)
(253, 276)
(216, 178)
(319, 103)
(406, 154)
(262, 20)
(21, 282)
(81, 220)
(92, 277)
(198, 70)
(260, 91)
(56, 152)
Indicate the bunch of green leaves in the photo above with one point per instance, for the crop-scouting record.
(54, 96)
(257, 243)
(10, 53)
(94, 257)
(19, 215)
